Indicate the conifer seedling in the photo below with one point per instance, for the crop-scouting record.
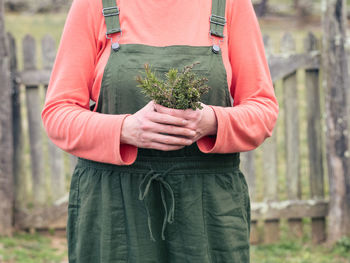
(177, 90)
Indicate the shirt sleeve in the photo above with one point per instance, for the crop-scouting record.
(66, 116)
(252, 118)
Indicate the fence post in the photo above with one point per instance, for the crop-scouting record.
(34, 124)
(269, 158)
(314, 138)
(20, 181)
(269, 148)
(55, 154)
(290, 98)
(6, 140)
(336, 82)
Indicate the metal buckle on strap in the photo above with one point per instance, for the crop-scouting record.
(115, 45)
(217, 20)
(216, 43)
(110, 11)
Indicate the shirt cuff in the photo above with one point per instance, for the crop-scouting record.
(126, 154)
(211, 143)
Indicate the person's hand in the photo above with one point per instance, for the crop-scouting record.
(203, 121)
(148, 128)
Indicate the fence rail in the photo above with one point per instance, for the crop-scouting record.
(41, 199)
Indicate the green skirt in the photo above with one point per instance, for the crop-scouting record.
(160, 209)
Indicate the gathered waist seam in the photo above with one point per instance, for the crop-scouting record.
(191, 164)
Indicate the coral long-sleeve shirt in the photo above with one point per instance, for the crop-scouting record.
(84, 51)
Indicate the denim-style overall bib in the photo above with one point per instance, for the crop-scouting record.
(179, 206)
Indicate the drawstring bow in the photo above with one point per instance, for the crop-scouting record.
(144, 189)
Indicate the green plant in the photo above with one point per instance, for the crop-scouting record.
(343, 245)
(178, 90)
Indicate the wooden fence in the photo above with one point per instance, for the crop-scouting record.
(270, 210)
(42, 185)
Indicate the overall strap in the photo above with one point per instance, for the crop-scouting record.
(111, 13)
(217, 18)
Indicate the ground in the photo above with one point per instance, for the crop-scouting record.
(50, 247)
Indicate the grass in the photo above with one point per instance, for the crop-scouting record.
(50, 248)
(295, 251)
(30, 248)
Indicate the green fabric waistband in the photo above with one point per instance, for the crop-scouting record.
(178, 165)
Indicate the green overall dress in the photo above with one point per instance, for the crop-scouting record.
(180, 206)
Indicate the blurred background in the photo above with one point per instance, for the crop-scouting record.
(299, 179)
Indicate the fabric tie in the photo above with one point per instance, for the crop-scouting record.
(144, 189)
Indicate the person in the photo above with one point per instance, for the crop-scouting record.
(154, 184)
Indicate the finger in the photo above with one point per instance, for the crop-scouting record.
(173, 112)
(166, 119)
(185, 114)
(170, 129)
(169, 140)
(150, 105)
(192, 125)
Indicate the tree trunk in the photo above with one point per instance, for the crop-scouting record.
(6, 143)
(336, 83)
